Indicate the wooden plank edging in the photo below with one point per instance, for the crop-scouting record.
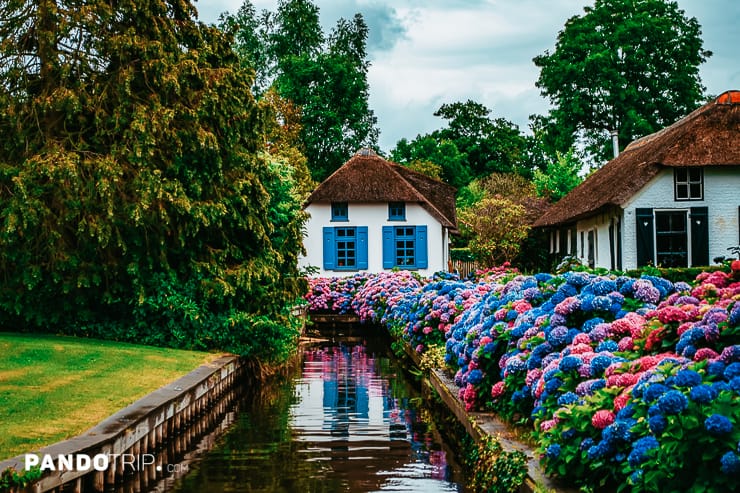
(138, 427)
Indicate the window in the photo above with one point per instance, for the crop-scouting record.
(688, 183)
(405, 247)
(396, 211)
(345, 248)
(671, 239)
(339, 211)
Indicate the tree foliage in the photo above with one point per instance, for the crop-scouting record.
(625, 65)
(490, 145)
(472, 145)
(496, 214)
(428, 149)
(137, 201)
(560, 177)
(498, 228)
(325, 76)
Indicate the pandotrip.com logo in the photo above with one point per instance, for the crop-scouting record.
(98, 462)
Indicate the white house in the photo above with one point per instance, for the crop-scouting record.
(670, 199)
(373, 215)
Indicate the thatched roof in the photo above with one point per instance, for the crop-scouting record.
(709, 136)
(367, 177)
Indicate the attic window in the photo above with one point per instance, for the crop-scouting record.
(688, 183)
(396, 211)
(339, 211)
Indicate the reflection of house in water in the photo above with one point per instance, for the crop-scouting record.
(348, 420)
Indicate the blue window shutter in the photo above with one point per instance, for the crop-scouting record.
(362, 247)
(389, 252)
(422, 258)
(329, 249)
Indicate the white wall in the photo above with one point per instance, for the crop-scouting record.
(374, 216)
(600, 225)
(721, 197)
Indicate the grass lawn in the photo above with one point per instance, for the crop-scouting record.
(53, 387)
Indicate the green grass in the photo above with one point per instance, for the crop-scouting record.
(53, 387)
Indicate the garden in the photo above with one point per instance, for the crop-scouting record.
(630, 383)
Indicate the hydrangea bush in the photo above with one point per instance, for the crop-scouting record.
(625, 381)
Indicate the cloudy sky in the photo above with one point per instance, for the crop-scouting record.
(425, 53)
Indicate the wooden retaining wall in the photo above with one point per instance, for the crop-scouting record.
(143, 441)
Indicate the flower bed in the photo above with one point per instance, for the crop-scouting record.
(629, 382)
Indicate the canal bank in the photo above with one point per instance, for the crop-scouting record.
(139, 445)
(179, 423)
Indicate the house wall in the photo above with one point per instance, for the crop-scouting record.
(374, 216)
(602, 251)
(721, 197)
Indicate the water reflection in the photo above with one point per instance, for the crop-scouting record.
(346, 421)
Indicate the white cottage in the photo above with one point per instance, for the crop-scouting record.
(373, 215)
(670, 199)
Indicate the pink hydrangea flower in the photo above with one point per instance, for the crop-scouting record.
(602, 418)
(705, 353)
(498, 389)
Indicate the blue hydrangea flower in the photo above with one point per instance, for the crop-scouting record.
(603, 287)
(589, 324)
(475, 377)
(553, 451)
(641, 449)
(570, 363)
(673, 402)
(567, 398)
(703, 394)
(715, 368)
(735, 384)
(732, 371)
(730, 464)
(587, 443)
(553, 385)
(626, 412)
(599, 364)
(734, 318)
(654, 391)
(718, 425)
(601, 303)
(657, 424)
(607, 346)
(618, 432)
(558, 336)
(687, 378)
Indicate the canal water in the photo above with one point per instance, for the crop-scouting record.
(346, 419)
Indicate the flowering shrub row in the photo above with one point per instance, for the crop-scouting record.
(630, 382)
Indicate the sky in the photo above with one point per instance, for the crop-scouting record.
(424, 53)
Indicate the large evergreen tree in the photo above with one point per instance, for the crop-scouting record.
(625, 65)
(134, 194)
(324, 76)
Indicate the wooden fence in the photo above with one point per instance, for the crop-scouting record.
(463, 267)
